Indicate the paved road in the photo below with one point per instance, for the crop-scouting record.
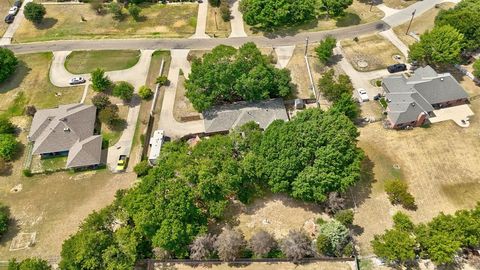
(405, 14)
(236, 22)
(12, 28)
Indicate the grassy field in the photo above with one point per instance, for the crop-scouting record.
(357, 13)
(31, 85)
(216, 26)
(440, 164)
(420, 24)
(399, 4)
(81, 62)
(64, 22)
(374, 49)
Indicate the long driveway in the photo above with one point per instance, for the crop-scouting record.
(12, 28)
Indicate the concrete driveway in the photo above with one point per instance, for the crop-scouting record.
(201, 21)
(238, 29)
(458, 114)
(12, 28)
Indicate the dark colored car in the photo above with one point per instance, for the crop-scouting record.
(9, 18)
(18, 3)
(397, 68)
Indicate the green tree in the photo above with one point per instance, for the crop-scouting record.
(334, 88)
(440, 46)
(145, 93)
(394, 246)
(273, 13)
(347, 105)
(100, 82)
(465, 17)
(29, 264)
(335, 7)
(109, 114)
(8, 146)
(123, 90)
(397, 192)
(101, 101)
(6, 126)
(345, 217)
(325, 49)
(162, 80)
(142, 168)
(8, 63)
(337, 235)
(476, 68)
(117, 11)
(228, 75)
(34, 12)
(4, 218)
(134, 11)
(402, 222)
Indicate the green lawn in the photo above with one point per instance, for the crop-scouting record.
(54, 163)
(81, 62)
(30, 85)
(65, 22)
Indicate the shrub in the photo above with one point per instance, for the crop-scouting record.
(325, 49)
(142, 168)
(100, 82)
(202, 247)
(134, 11)
(261, 243)
(345, 217)
(145, 93)
(229, 245)
(296, 245)
(378, 83)
(162, 80)
(476, 68)
(4, 218)
(8, 63)
(30, 110)
(338, 236)
(397, 191)
(101, 101)
(123, 90)
(116, 10)
(402, 222)
(109, 114)
(34, 12)
(6, 126)
(27, 173)
(323, 245)
(29, 264)
(8, 146)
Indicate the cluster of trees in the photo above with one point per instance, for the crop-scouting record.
(309, 157)
(339, 91)
(227, 75)
(117, 9)
(101, 83)
(456, 30)
(8, 64)
(397, 191)
(268, 14)
(29, 264)
(224, 8)
(439, 240)
(9, 146)
(34, 12)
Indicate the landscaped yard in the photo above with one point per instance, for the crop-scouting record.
(439, 163)
(216, 26)
(420, 24)
(31, 85)
(374, 51)
(81, 62)
(357, 13)
(64, 22)
(399, 4)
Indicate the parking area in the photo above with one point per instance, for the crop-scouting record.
(458, 114)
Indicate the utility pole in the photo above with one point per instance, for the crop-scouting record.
(306, 46)
(410, 24)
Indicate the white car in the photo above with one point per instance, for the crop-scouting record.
(77, 80)
(13, 10)
(363, 96)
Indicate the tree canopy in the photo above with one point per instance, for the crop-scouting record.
(335, 7)
(325, 49)
(34, 12)
(29, 264)
(443, 45)
(8, 63)
(275, 13)
(228, 75)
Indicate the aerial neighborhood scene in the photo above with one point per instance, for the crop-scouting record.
(239, 134)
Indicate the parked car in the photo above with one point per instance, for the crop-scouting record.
(397, 68)
(122, 163)
(377, 97)
(362, 94)
(77, 80)
(18, 3)
(9, 18)
(13, 11)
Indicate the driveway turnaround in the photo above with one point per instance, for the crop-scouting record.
(236, 22)
(167, 122)
(12, 28)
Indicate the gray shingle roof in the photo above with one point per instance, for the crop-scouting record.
(227, 117)
(85, 153)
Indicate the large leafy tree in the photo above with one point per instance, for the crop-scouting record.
(34, 12)
(325, 49)
(8, 63)
(465, 17)
(227, 75)
(310, 156)
(335, 7)
(395, 246)
(8, 146)
(275, 13)
(440, 46)
(100, 81)
(123, 90)
(333, 87)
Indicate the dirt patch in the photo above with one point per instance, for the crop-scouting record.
(216, 26)
(183, 110)
(374, 50)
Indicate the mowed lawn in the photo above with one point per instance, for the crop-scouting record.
(420, 23)
(440, 163)
(64, 22)
(81, 62)
(30, 84)
(375, 50)
(358, 13)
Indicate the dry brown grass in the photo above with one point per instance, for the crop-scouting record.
(216, 26)
(357, 13)
(64, 22)
(420, 24)
(399, 4)
(183, 108)
(268, 266)
(4, 7)
(374, 49)
(440, 164)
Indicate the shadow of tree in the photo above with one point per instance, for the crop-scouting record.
(362, 190)
(118, 125)
(16, 79)
(46, 23)
(348, 19)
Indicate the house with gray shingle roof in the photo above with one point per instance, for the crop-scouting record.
(67, 130)
(411, 101)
